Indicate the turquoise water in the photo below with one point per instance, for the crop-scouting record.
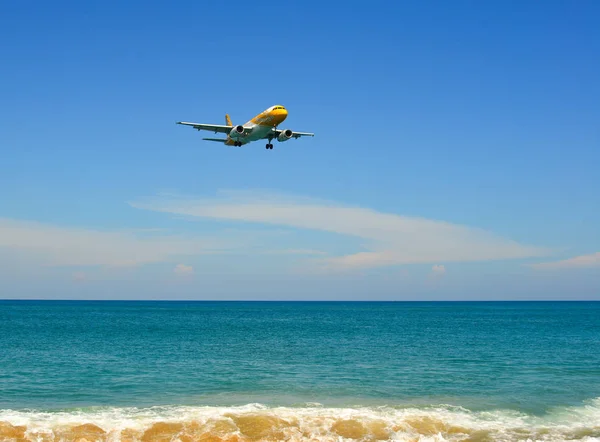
(535, 359)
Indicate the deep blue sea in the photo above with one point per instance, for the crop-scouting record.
(300, 370)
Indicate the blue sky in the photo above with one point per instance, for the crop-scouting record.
(456, 153)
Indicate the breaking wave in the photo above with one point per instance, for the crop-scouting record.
(256, 422)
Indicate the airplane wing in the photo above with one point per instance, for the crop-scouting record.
(216, 128)
(277, 132)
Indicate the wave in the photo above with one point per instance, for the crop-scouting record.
(256, 422)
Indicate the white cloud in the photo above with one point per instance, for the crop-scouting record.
(436, 274)
(584, 261)
(391, 239)
(61, 246)
(183, 270)
(438, 270)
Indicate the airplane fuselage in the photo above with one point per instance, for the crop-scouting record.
(261, 125)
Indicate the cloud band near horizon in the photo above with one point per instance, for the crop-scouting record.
(390, 239)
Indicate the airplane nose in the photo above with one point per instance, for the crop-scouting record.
(280, 115)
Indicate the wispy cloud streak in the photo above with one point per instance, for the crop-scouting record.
(62, 246)
(578, 262)
(390, 239)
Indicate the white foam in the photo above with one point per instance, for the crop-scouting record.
(561, 424)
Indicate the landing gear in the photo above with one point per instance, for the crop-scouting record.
(269, 146)
(237, 143)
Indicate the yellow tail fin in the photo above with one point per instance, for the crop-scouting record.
(228, 120)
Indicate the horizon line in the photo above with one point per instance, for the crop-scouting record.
(298, 300)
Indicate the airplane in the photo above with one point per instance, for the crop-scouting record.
(261, 127)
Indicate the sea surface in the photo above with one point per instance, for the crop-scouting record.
(335, 371)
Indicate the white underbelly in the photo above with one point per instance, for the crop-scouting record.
(257, 133)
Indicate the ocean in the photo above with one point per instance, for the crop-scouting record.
(331, 371)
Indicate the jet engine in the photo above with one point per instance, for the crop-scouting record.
(285, 135)
(237, 132)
